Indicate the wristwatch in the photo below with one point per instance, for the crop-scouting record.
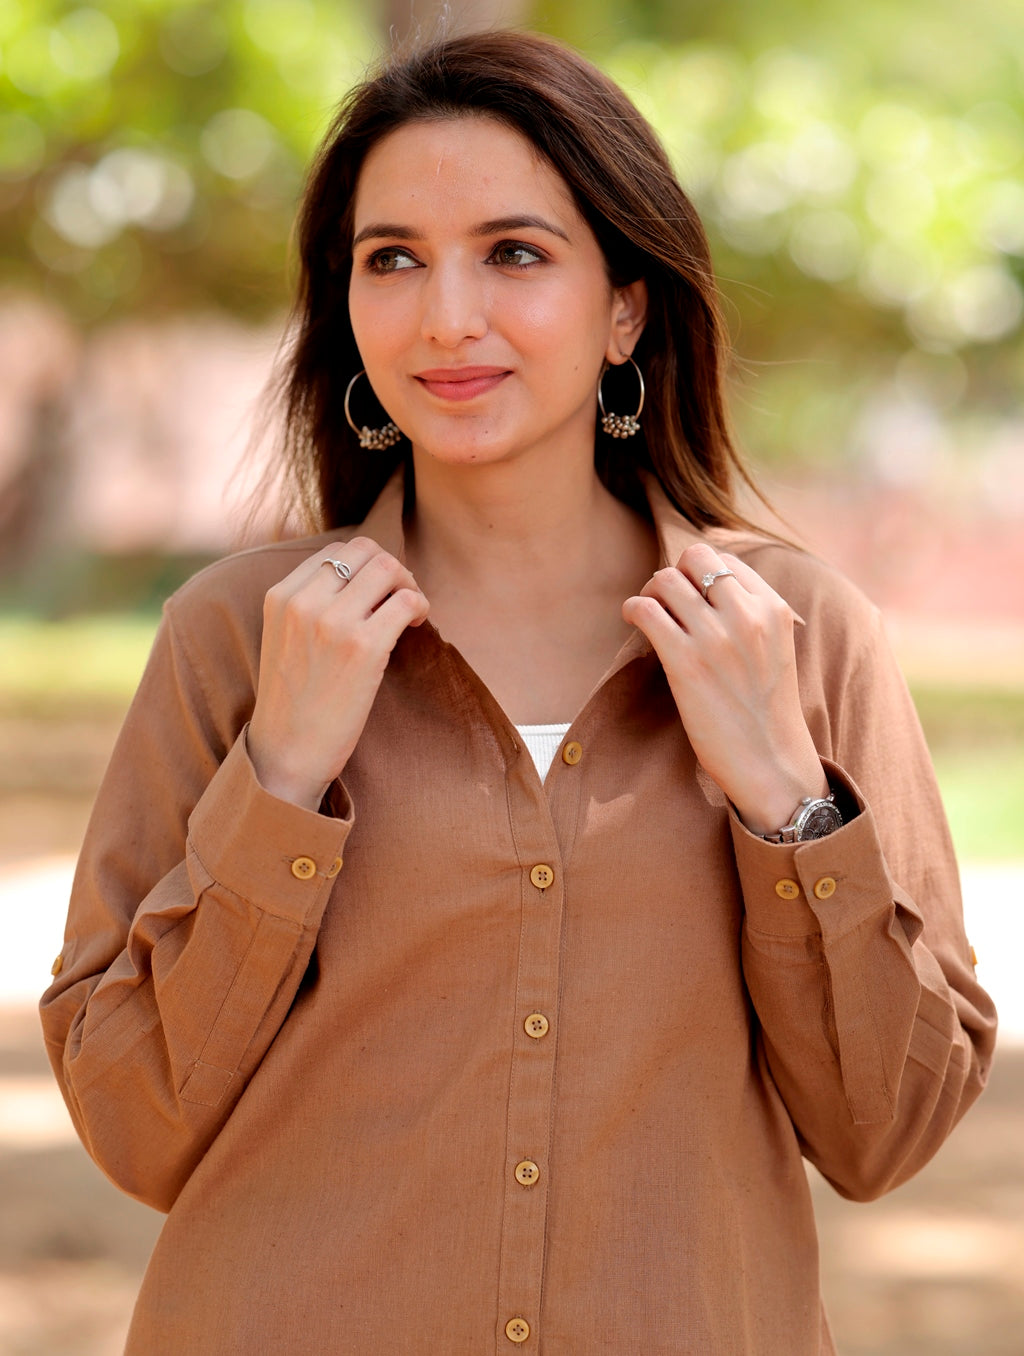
(813, 819)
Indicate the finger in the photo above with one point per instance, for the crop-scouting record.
(709, 574)
(754, 583)
(343, 561)
(340, 567)
(380, 576)
(658, 622)
(679, 596)
(405, 607)
(325, 582)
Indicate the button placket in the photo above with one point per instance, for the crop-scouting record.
(531, 1083)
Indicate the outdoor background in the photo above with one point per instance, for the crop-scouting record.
(860, 169)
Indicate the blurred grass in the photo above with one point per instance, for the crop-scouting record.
(976, 735)
(54, 666)
(984, 798)
(67, 669)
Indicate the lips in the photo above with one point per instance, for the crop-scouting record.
(461, 383)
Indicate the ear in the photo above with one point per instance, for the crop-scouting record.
(629, 312)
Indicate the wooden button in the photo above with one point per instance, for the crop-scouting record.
(57, 966)
(517, 1330)
(542, 876)
(537, 1025)
(333, 869)
(971, 952)
(572, 753)
(527, 1172)
(787, 889)
(825, 888)
(303, 868)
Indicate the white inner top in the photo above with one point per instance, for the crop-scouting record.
(543, 742)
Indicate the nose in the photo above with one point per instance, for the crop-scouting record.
(454, 301)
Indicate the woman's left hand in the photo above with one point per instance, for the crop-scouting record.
(731, 664)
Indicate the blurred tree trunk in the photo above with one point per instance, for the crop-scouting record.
(414, 21)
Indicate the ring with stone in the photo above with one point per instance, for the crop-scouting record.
(708, 579)
(342, 570)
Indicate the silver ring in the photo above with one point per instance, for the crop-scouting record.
(708, 579)
(342, 570)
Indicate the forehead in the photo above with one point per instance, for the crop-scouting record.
(470, 165)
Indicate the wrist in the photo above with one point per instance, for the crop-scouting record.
(769, 810)
(294, 793)
(283, 784)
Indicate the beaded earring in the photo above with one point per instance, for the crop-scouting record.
(621, 425)
(376, 439)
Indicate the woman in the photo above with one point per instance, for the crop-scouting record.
(423, 1049)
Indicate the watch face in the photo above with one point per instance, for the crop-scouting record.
(819, 820)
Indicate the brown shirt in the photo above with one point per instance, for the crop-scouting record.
(469, 1063)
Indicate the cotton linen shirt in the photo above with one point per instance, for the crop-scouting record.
(469, 1063)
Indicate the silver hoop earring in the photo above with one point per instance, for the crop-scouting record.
(376, 439)
(621, 425)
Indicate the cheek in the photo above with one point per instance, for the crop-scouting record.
(563, 317)
(376, 324)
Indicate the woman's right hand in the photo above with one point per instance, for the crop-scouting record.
(326, 644)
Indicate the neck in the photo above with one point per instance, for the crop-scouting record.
(511, 528)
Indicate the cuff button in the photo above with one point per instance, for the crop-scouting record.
(303, 868)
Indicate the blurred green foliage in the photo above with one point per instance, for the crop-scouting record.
(861, 173)
(152, 151)
(860, 169)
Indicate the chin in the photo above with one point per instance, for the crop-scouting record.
(456, 451)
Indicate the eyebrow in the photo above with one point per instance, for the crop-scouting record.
(381, 229)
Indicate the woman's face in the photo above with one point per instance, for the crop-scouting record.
(479, 297)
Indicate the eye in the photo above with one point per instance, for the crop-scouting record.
(390, 260)
(515, 254)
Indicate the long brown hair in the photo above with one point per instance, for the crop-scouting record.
(624, 187)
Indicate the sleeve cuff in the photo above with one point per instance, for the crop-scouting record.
(276, 855)
(825, 887)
